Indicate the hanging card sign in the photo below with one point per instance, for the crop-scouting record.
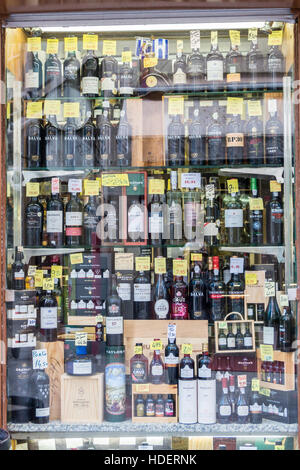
(235, 37)
(90, 42)
(34, 44)
(39, 359)
(52, 46)
(195, 39)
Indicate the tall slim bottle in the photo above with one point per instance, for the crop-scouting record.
(74, 221)
(48, 317)
(90, 75)
(176, 142)
(33, 76)
(272, 319)
(55, 221)
(274, 220)
(70, 143)
(71, 73)
(53, 76)
(215, 141)
(161, 306)
(114, 316)
(52, 143)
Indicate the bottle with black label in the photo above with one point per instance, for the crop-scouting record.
(187, 368)
(197, 141)
(74, 221)
(55, 221)
(235, 294)
(18, 270)
(172, 361)
(254, 141)
(197, 301)
(239, 338)
(161, 305)
(235, 141)
(34, 219)
(35, 143)
(274, 140)
(70, 144)
(71, 69)
(274, 220)
(90, 75)
(114, 316)
(53, 77)
(215, 141)
(52, 143)
(123, 140)
(142, 297)
(40, 386)
(90, 222)
(139, 366)
(86, 154)
(176, 142)
(48, 317)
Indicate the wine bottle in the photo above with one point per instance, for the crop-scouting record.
(140, 406)
(172, 362)
(234, 68)
(55, 221)
(136, 221)
(142, 297)
(235, 294)
(104, 141)
(18, 270)
(161, 306)
(126, 77)
(71, 73)
(230, 338)
(52, 143)
(48, 317)
(234, 220)
(287, 330)
(87, 144)
(239, 338)
(156, 370)
(70, 144)
(74, 221)
(254, 65)
(108, 74)
(255, 405)
(176, 142)
(53, 77)
(272, 318)
(123, 140)
(214, 68)
(35, 143)
(248, 338)
(197, 296)
(195, 69)
(90, 222)
(139, 366)
(274, 140)
(33, 76)
(216, 293)
(179, 299)
(90, 75)
(224, 410)
(187, 368)
(40, 387)
(34, 217)
(215, 141)
(197, 141)
(156, 220)
(235, 141)
(175, 211)
(169, 406)
(254, 141)
(255, 219)
(180, 72)
(275, 61)
(204, 364)
(242, 408)
(114, 316)
(274, 220)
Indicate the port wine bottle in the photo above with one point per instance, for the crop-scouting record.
(179, 299)
(123, 140)
(48, 317)
(18, 270)
(114, 316)
(90, 75)
(90, 222)
(53, 77)
(74, 221)
(156, 370)
(274, 220)
(71, 71)
(55, 221)
(142, 297)
(70, 144)
(274, 140)
(161, 305)
(35, 143)
(52, 143)
(254, 141)
(197, 296)
(33, 76)
(197, 141)
(215, 141)
(34, 220)
(86, 155)
(216, 293)
(172, 362)
(40, 387)
(176, 141)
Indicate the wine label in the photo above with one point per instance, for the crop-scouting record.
(235, 140)
(231, 343)
(48, 318)
(215, 70)
(42, 412)
(82, 368)
(31, 79)
(161, 308)
(186, 372)
(73, 218)
(142, 292)
(54, 221)
(157, 370)
(204, 372)
(179, 77)
(156, 223)
(124, 291)
(171, 360)
(243, 410)
(248, 342)
(114, 325)
(206, 401)
(135, 220)
(233, 218)
(90, 85)
(225, 410)
(107, 84)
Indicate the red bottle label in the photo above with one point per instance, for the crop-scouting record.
(73, 231)
(179, 311)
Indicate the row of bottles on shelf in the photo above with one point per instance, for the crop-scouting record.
(203, 215)
(200, 140)
(154, 407)
(107, 77)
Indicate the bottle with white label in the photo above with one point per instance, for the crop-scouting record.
(156, 369)
(48, 317)
(55, 221)
(161, 301)
(136, 221)
(114, 317)
(74, 212)
(187, 368)
(142, 297)
(206, 389)
(40, 389)
(81, 364)
(156, 220)
(234, 220)
(224, 409)
(242, 408)
(33, 76)
(214, 68)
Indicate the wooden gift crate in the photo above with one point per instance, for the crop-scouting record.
(82, 399)
(234, 322)
(194, 332)
(289, 370)
(147, 389)
(55, 370)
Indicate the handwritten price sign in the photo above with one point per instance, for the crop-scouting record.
(39, 359)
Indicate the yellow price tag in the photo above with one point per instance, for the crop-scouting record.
(255, 385)
(138, 350)
(265, 391)
(180, 267)
(156, 345)
(38, 278)
(284, 300)
(196, 256)
(99, 318)
(32, 189)
(34, 44)
(235, 105)
(275, 38)
(254, 108)
(115, 180)
(48, 283)
(235, 37)
(269, 289)
(214, 37)
(256, 204)
(233, 77)
(160, 265)
(156, 186)
(52, 107)
(52, 46)
(275, 187)
(34, 110)
(81, 339)
(176, 105)
(126, 56)
(186, 349)
(179, 45)
(233, 186)
(142, 263)
(71, 110)
(56, 272)
(279, 448)
(109, 47)
(266, 352)
(8, 106)
(76, 258)
(150, 62)
(90, 42)
(250, 279)
(252, 34)
(31, 271)
(91, 187)
(143, 388)
(71, 44)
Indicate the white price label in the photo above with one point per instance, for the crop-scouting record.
(195, 39)
(39, 359)
(75, 186)
(272, 106)
(242, 381)
(210, 191)
(236, 265)
(191, 180)
(81, 339)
